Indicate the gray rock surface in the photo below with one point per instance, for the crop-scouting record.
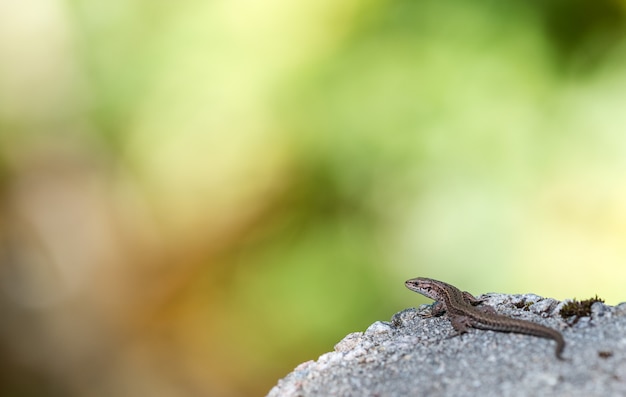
(416, 355)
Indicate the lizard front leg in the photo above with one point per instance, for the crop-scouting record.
(437, 309)
(472, 300)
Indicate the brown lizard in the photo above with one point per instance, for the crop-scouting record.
(462, 313)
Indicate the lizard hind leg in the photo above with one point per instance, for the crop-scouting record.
(487, 309)
(460, 324)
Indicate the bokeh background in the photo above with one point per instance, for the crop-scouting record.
(196, 196)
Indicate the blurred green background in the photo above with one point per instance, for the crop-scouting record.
(196, 196)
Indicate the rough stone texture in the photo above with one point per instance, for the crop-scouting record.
(417, 355)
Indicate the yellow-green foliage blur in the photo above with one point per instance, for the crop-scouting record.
(196, 196)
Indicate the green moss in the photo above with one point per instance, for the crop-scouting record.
(578, 309)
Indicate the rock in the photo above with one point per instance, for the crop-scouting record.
(414, 355)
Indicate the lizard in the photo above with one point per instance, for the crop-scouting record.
(462, 314)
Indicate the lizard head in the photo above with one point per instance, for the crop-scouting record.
(425, 286)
